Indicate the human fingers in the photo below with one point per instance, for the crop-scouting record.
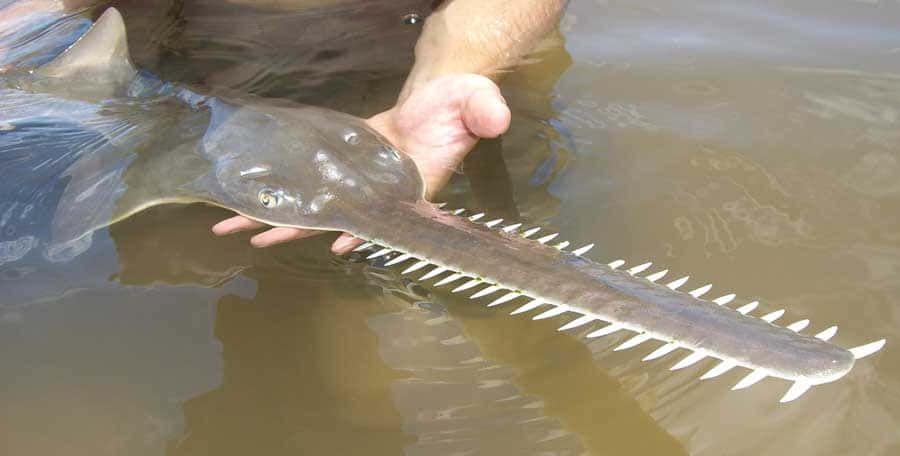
(485, 112)
(345, 243)
(269, 237)
(235, 224)
(280, 234)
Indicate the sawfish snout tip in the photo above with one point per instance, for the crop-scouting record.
(856, 353)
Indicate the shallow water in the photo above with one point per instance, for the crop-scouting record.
(753, 147)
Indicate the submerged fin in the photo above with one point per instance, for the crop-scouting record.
(108, 159)
(101, 54)
(140, 168)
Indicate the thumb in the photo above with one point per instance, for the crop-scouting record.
(485, 113)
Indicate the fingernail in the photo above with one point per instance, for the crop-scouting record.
(255, 242)
(217, 230)
(343, 245)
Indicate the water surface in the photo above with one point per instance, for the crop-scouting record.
(751, 146)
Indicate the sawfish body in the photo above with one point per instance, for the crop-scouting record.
(290, 165)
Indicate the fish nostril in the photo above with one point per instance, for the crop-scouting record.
(392, 153)
(389, 152)
(269, 198)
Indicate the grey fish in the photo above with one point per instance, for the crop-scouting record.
(300, 166)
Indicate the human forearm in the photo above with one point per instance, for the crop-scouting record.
(480, 36)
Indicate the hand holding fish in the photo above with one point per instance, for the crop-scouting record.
(436, 125)
(445, 105)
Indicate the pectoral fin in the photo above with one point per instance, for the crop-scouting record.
(113, 183)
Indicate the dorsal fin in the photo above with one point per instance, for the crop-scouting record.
(101, 54)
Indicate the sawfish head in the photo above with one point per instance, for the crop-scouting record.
(302, 166)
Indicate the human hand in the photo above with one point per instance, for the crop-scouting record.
(437, 124)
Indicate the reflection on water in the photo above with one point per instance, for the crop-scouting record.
(344, 54)
(754, 146)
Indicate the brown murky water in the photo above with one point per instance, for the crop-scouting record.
(753, 146)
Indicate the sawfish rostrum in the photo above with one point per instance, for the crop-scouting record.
(299, 166)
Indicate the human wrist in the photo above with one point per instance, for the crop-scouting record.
(484, 37)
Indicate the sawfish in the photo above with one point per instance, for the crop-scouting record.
(285, 164)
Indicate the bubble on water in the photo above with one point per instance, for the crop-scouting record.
(412, 19)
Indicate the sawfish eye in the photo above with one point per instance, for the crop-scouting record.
(269, 198)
